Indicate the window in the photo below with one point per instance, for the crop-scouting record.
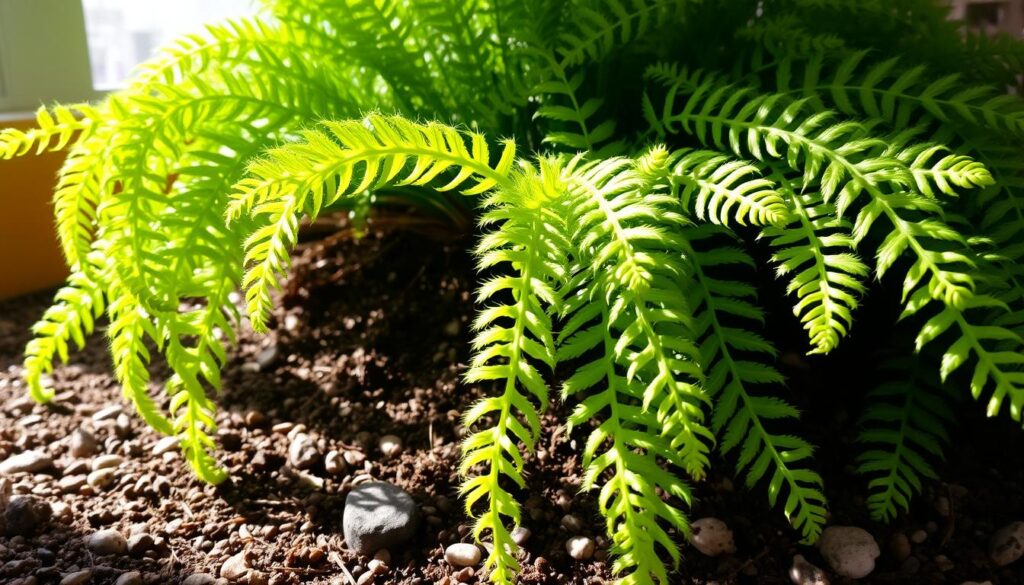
(74, 50)
(124, 33)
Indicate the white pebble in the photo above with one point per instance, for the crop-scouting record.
(580, 548)
(390, 445)
(1007, 544)
(850, 551)
(712, 537)
(462, 554)
(803, 572)
(106, 462)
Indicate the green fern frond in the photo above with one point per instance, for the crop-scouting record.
(713, 184)
(56, 127)
(626, 238)
(816, 251)
(734, 359)
(512, 339)
(898, 95)
(344, 158)
(621, 454)
(998, 351)
(579, 130)
(72, 317)
(842, 160)
(902, 428)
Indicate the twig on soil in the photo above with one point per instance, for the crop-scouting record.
(335, 558)
(747, 563)
(947, 531)
(301, 570)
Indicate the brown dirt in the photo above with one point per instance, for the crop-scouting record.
(371, 338)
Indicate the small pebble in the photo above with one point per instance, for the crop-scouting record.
(199, 579)
(107, 462)
(101, 479)
(1007, 544)
(302, 452)
(26, 462)
(580, 548)
(107, 542)
(943, 563)
(390, 445)
(235, 567)
(166, 445)
(520, 534)
(899, 546)
(77, 578)
(83, 443)
(571, 523)
(140, 544)
(334, 463)
(255, 419)
(849, 550)
(919, 536)
(462, 554)
(712, 537)
(107, 413)
(265, 358)
(803, 572)
(129, 578)
(25, 515)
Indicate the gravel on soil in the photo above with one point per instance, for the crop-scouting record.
(359, 381)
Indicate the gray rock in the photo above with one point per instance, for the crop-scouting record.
(107, 542)
(129, 578)
(25, 515)
(199, 579)
(77, 578)
(140, 544)
(26, 462)
(83, 443)
(302, 452)
(378, 515)
(849, 550)
(1007, 544)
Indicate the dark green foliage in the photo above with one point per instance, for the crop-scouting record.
(619, 154)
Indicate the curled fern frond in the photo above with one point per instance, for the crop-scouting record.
(902, 428)
(343, 158)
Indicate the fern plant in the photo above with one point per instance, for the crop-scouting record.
(621, 157)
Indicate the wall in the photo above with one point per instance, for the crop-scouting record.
(31, 257)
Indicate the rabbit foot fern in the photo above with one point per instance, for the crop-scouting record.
(614, 252)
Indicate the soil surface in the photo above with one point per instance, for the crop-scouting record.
(370, 338)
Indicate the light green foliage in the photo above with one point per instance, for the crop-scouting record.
(620, 156)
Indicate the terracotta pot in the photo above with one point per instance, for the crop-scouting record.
(30, 257)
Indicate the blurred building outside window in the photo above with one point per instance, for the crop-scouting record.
(124, 33)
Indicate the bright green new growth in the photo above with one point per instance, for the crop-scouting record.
(650, 141)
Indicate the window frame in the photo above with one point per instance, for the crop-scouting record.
(35, 70)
